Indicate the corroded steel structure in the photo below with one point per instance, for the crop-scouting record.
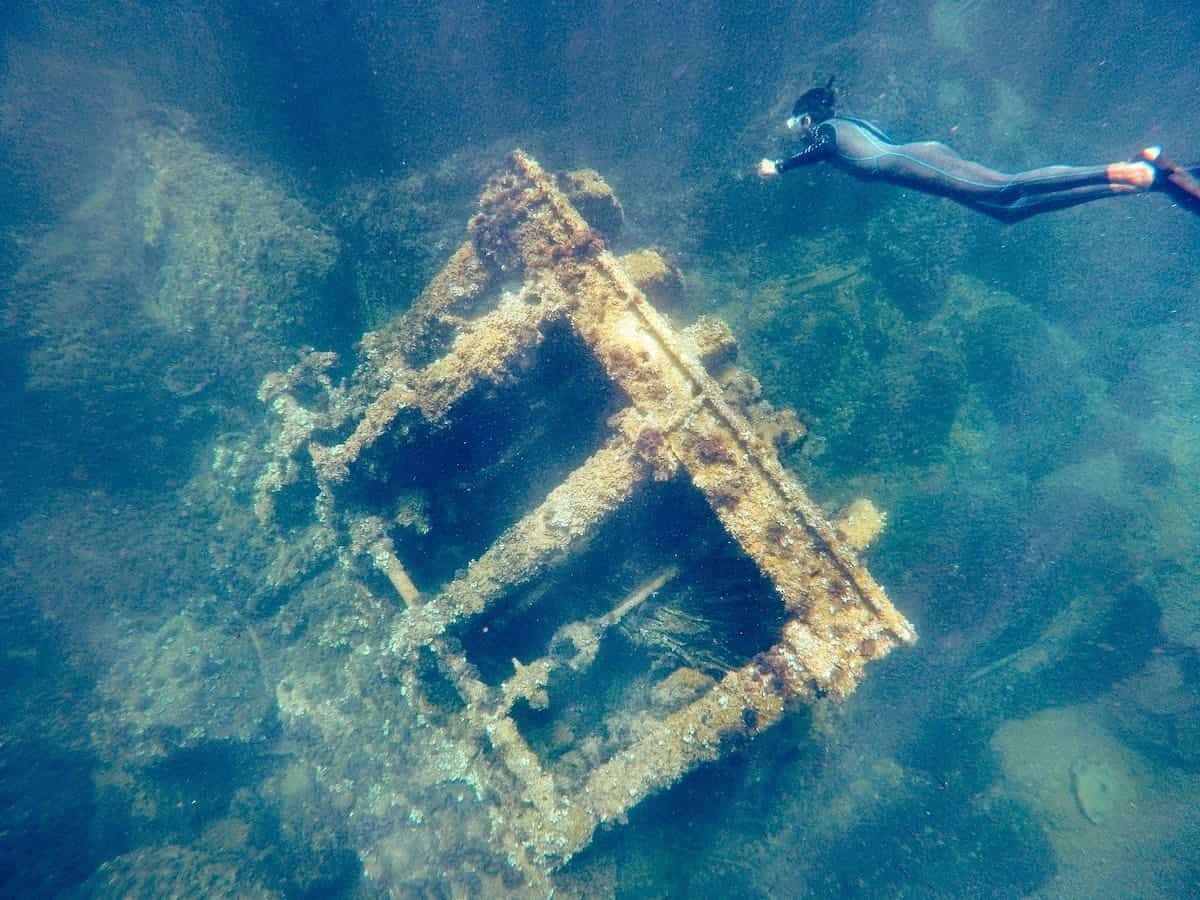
(533, 263)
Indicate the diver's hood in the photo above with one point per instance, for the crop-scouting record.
(818, 102)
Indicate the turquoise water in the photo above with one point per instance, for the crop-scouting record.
(201, 692)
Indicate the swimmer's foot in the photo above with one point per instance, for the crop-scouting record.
(1138, 174)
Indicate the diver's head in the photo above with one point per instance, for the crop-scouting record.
(815, 105)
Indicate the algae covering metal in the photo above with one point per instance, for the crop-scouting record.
(533, 266)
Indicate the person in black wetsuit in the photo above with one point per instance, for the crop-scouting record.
(866, 152)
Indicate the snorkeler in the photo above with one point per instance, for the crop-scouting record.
(930, 166)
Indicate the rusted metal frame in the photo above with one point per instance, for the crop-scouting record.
(764, 509)
(574, 270)
(484, 352)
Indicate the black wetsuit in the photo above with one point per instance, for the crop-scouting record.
(865, 151)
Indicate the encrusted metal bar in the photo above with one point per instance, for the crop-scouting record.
(547, 535)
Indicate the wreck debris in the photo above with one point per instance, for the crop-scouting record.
(533, 271)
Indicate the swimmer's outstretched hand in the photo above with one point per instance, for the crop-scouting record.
(767, 168)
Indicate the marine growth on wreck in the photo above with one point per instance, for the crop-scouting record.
(534, 400)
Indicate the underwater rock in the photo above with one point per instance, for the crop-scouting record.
(150, 310)
(683, 686)
(1176, 597)
(1101, 790)
(179, 688)
(1020, 363)
(860, 523)
(173, 870)
(177, 248)
(660, 281)
(1119, 826)
(395, 231)
(714, 342)
(1157, 710)
(595, 200)
(913, 270)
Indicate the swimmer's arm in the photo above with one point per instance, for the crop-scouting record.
(822, 145)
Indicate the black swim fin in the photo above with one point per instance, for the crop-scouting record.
(1185, 179)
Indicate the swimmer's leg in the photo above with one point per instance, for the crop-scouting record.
(1014, 208)
(937, 168)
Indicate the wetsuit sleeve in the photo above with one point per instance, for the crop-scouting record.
(821, 145)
